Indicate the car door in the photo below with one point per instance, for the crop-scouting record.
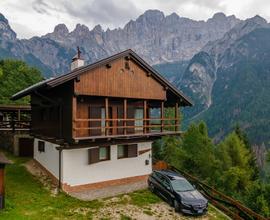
(167, 190)
(156, 180)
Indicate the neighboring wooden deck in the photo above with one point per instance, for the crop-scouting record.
(15, 117)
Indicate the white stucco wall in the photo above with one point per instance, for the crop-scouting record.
(50, 158)
(77, 171)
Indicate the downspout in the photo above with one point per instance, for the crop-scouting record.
(60, 121)
(60, 149)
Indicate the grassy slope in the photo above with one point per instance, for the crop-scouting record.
(26, 198)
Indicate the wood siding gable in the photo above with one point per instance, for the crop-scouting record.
(120, 78)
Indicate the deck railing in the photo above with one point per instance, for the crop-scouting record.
(127, 126)
(14, 125)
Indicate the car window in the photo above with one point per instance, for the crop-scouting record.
(158, 175)
(181, 185)
(165, 182)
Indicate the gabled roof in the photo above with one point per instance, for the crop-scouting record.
(53, 82)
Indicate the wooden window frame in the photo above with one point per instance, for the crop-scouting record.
(125, 151)
(108, 153)
(132, 150)
(41, 146)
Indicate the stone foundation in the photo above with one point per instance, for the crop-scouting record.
(105, 184)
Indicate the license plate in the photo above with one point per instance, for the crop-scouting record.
(200, 211)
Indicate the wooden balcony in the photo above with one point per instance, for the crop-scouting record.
(125, 128)
(122, 118)
(15, 125)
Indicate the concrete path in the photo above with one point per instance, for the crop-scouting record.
(109, 191)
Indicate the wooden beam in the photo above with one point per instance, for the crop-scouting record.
(125, 116)
(144, 116)
(106, 116)
(176, 116)
(74, 116)
(19, 114)
(162, 116)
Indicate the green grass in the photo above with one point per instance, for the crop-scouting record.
(143, 198)
(216, 214)
(125, 217)
(27, 198)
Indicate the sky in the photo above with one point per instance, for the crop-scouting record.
(30, 18)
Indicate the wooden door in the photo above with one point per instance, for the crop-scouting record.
(26, 147)
(83, 126)
(95, 113)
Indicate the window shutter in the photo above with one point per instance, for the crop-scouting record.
(41, 146)
(132, 150)
(93, 155)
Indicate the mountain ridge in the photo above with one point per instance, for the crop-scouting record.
(202, 58)
(154, 36)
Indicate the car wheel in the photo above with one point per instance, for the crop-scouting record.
(151, 187)
(171, 202)
(176, 206)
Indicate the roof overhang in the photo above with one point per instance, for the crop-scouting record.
(129, 54)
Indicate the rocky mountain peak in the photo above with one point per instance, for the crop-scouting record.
(6, 33)
(97, 29)
(3, 19)
(173, 17)
(257, 20)
(219, 16)
(81, 29)
(61, 29)
(151, 16)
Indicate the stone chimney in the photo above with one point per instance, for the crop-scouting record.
(77, 60)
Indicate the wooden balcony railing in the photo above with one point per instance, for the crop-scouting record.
(14, 125)
(127, 126)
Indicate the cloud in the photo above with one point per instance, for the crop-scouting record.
(27, 16)
(105, 12)
(41, 7)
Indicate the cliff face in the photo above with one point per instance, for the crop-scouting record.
(203, 69)
(154, 36)
(229, 81)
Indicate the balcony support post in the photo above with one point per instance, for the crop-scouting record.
(144, 116)
(176, 116)
(74, 116)
(162, 116)
(125, 116)
(106, 116)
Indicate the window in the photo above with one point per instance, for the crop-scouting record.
(165, 182)
(139, 119)
(103, 123)
(132, 150)
(41, 146)
(181, 185)
(122, 151)
(97, 154)
(104, 153)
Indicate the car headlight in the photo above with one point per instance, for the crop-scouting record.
(185, 204)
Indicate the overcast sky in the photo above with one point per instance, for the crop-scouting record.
(38, 17)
